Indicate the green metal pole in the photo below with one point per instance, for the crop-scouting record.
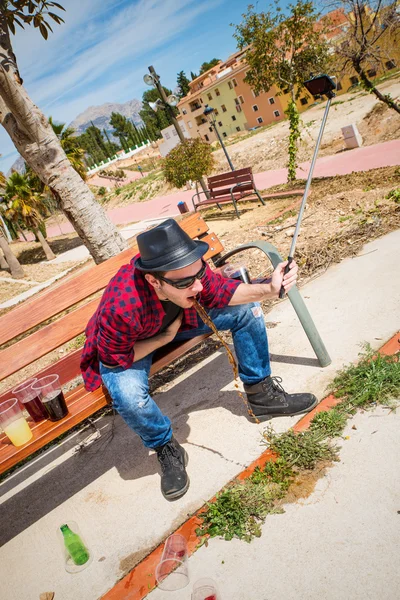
(295, 298)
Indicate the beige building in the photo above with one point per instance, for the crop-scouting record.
(238, 107)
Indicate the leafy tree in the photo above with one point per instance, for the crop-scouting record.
(188, 161)
(35, 139)
(7, 259)
(156, 121)
(208, 65)
(193, 75)
(70, 145)
(124, 129)
(183, 84)
(95, 146)
(25, 205)
(372, 33)
(284, 49)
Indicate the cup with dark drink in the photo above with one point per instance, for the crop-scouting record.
(52, 397)
(29, 399)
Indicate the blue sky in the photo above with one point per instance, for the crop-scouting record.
(104, 48)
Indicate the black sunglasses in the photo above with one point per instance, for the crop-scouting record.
(185, 282)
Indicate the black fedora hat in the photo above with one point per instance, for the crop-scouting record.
(167, 247)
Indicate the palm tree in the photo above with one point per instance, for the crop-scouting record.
(7, 258)
(70, 145)
(25, 204)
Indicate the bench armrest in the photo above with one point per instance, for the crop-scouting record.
(197, 195)
(239, 185)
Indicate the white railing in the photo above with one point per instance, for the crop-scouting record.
(114, 159)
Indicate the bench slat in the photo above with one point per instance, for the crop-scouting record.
(56, 299)
(80, 408)
(45, 340)
(194, 225)
(81, 404)
(226, 192)
(215, 246)
(227, 185)
(234, 175)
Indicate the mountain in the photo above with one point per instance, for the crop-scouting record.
(18, 165)
(100, 115)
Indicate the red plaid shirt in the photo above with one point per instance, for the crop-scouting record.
(130, 311)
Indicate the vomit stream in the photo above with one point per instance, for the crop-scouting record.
(204, 317)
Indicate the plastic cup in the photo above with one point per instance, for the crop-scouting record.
(205, 589)
(30, 400)
(49, 390)
(172, 570)
(236, 271)
(14, 423)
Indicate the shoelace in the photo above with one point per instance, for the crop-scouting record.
(276, 383)
(169, 456)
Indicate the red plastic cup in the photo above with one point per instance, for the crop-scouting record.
(30, 399)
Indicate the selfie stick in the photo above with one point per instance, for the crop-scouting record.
(321, 85)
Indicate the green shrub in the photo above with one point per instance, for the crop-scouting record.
(190, 160)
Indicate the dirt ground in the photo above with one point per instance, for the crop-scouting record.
(36, 268)
(337, 207)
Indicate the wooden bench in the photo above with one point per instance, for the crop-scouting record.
(69, 307)
(229, 187)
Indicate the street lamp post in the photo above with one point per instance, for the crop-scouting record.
(209, 112)
(167, 102)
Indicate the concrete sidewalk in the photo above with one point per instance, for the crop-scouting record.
(340, 542)
(385, 154)
(112, 488)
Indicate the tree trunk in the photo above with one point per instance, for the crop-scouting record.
(3, 262)
(37, 143)
(15, 268)
(47, 250)
(369, 86)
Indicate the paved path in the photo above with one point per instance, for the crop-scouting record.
(112, 489)
(361, 159)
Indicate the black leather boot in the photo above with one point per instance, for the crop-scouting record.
(268, 399)
(173, 460)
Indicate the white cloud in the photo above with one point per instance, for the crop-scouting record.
(101, 53)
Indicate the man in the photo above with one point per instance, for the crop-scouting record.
(148, 304)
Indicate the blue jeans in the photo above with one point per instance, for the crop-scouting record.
(129, 388)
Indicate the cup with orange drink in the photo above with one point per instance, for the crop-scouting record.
(14, 423)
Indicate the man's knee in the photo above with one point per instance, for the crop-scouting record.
(127, 392)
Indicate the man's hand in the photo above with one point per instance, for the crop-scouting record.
(278, 278)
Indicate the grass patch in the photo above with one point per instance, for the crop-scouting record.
(286, 215)
(241, 508)
(301, 450)
(394, 195)
(374, 380)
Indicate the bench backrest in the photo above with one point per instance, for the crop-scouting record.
(71, 303)
(228, 180)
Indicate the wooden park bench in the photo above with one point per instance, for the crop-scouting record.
(37, 337)
(56, 316)
(229, 187)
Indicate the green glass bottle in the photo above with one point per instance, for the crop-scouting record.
(74, 545)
